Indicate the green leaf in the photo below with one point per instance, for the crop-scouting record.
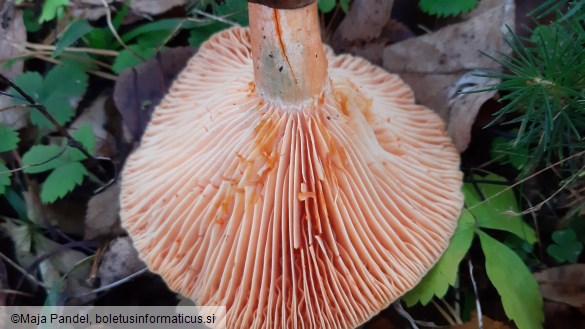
(512, 279)
(443, 8)
(344, 4)
(30, 21)
(58, 107)
(505, 152)
(444, 274)
(5, 175)
(86, 137)
(52, 9)
(42, 158)
(566, 247)
(63, 85)
(202, 33)
(166, 25)
(74, 32)
(67, 81)
(31, 83)
(8, 138)
(234, 10)
(62, 181)
(326, 6)
(126, 59)
(499, 210)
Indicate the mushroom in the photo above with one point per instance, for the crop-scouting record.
(298, 188)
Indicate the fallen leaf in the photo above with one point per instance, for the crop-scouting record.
(563, 284)
(440, 65)
(367, 29)
(101, 218)
(119, 261)
(96, 116)
(12, 39)
(365, 20)
(90, 9)
(140, 89)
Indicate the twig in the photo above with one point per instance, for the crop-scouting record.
(476, 292)
(103, 52)
(96, 262)
(23, 271)
(115, 33)
(444, 313)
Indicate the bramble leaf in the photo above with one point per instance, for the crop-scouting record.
(8, 138)
(517, 287)
(40, 158)
(62, 181)
(496, 208)
(86, 137)
(444, 274)
(445, 8)
(31, 83)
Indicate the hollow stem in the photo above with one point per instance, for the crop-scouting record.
(289, 60)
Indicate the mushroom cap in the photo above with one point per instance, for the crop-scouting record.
(314, 215)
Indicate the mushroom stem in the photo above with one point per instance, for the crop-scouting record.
(289, 60)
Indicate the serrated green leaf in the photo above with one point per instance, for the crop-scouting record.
(443, 8)
(5, 175)
(69, 81)
(126, 59)
(499, 210)
(42, 158)
(31, 83)
(8, 138)
(326, 6)
(62, 181)
(58, 107)
(62, 86)
(444, 274)
(512, 279)
(86, 137)
(73, 32)
(52, 9)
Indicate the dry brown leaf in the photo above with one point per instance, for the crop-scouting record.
(96, 116)
(119, 261)
(563, 284)
(487, 323)
(101, 218)
(365, 20)
(140, 89)
(12, 39)
(440, 65)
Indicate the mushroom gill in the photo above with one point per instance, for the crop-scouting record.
(315, 213)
